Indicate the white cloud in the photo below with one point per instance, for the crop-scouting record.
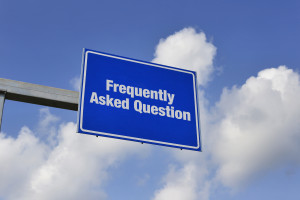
(46, 118)
(47, 129)
(188, 182)
(75, 168)
(19, 158)
(259, 126)
(189, 50)
(75, 83)
(179, 184)
(252, 130)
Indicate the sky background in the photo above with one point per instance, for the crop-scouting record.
(246, 54)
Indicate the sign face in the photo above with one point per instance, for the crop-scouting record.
(138, 101)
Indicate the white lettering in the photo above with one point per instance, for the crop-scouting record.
(102, 100)
(109, 101)
(162, 111)
(108, 84)
(186, 116)
(125, 104)
(146, 93)
(117, 103)
(130, 91)
(178, 114)
(94, 98)
(171, 98)
(115, 87)
(138, 106)
(122, 89)
(154, 110)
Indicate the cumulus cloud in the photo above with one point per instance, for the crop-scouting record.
(46, 118)
(190, 50)
(180, 183)
(75, 83)
(258, 127)
(187, 49)
(47, 129)
(19, 158)
(75, 168)
(253, 129)
(76, 164)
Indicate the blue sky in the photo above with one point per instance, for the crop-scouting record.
(250, 129)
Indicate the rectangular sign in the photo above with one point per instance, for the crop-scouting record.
(139, 101)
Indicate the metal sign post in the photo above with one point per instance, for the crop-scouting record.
(2, 99)
(36, 94)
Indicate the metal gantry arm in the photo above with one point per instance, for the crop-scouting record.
(36, 94)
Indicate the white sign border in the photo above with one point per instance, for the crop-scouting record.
(135, 138)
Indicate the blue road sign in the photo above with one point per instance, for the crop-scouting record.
(139, 101)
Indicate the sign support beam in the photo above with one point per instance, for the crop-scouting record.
(37, 94)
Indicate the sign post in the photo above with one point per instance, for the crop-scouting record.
(139, 101)
(2, 99)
